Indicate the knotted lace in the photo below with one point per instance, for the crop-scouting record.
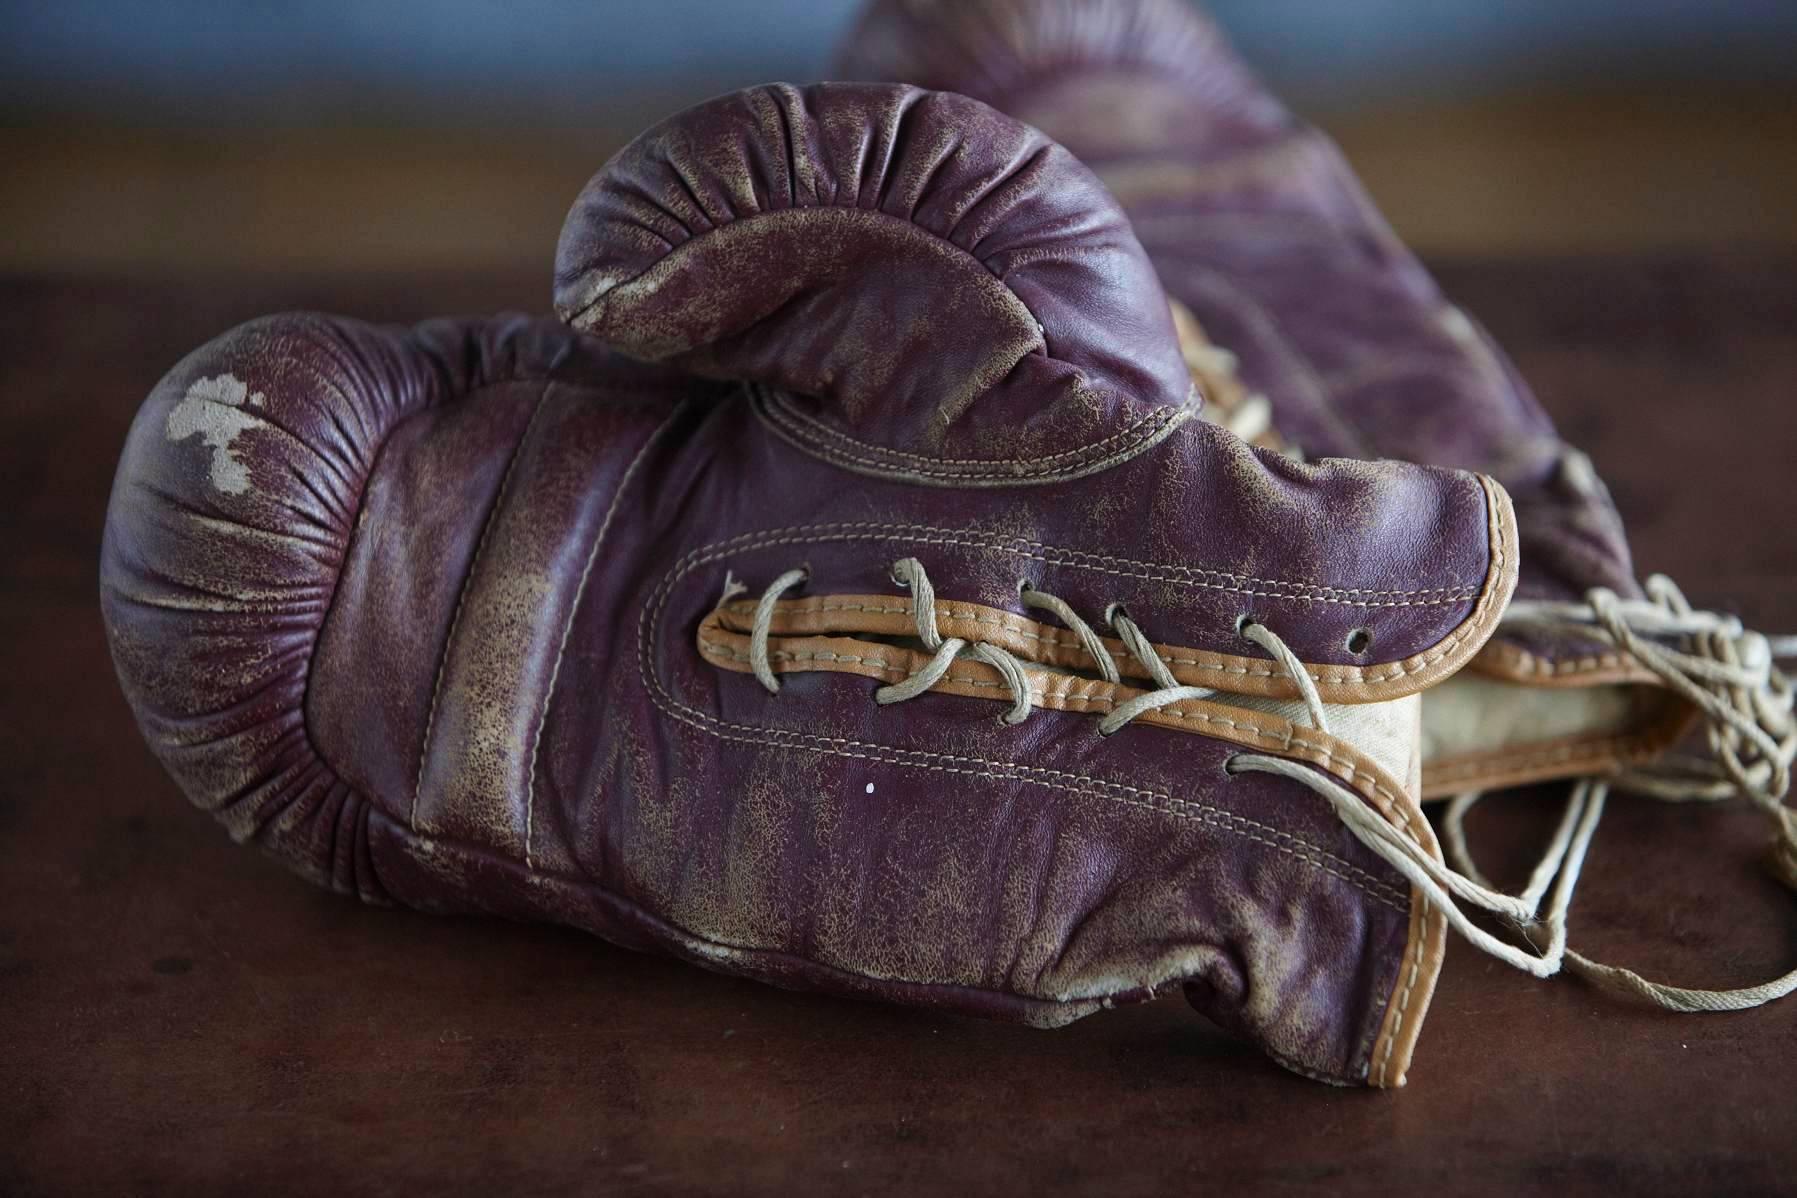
(1724, 670)
(1728, 673)
(945, 651)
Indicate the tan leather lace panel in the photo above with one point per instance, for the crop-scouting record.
(1047, 644)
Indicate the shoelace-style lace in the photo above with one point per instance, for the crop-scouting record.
(910, 573)
(1724, 670)
(1728, 673)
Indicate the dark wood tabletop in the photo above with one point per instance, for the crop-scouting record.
(179, 1015)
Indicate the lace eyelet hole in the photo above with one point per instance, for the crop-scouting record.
(1229, 765)
(1242, 621)
(1359, 641)
(1024, 586)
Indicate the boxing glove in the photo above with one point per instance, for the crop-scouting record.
(845, 596)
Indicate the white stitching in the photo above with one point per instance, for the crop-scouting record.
(1529, 662)
(1416, 968)
(1495, 535)
(651, 615)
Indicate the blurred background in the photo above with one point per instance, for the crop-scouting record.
(379, 134)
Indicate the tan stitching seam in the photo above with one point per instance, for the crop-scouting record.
(1621, 744)
(1528, 662)
(1495, 534)
(964, 674)
(1496, 537)
(1416, 967)
(1015, 626)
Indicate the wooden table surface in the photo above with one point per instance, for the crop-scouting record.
(178, 1015)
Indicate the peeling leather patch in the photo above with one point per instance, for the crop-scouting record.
(213, 408)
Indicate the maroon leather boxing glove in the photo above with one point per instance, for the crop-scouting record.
(849, 600)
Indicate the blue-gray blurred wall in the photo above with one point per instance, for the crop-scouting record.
(498, 62)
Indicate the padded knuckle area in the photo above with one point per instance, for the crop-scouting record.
(236, 500)
(931, 278)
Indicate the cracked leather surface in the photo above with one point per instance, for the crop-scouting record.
(432, 643)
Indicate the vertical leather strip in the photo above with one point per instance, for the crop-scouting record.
(580, 590)
(497, 669)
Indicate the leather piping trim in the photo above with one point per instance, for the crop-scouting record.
(1507, 660)
(807, 434)
(1048, 644)
(1425, 948)
(1561, 757)
(1425, 942)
